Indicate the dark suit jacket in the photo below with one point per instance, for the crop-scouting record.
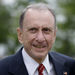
(14, 65)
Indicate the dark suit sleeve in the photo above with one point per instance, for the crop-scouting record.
(72, 69)
(3, 68)
(66, 62)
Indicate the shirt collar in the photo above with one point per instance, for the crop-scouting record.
(47, 63)
(31, 64)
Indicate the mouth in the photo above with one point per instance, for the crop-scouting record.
(39, 46)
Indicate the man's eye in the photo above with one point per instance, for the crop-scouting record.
(46, 30)
(32, 30)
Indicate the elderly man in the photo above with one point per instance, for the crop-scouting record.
(37, 33)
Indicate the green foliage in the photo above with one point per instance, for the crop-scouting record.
(9, 21)
(4, 24)
(68, 27)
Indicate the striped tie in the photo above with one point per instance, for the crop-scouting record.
(41, 69)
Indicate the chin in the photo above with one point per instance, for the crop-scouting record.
(41, 56)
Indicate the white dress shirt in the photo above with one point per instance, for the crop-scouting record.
(32, 65)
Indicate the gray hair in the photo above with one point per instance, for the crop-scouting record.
(38, 6)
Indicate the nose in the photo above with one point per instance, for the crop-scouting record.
(40, 37)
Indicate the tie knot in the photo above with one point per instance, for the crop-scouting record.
(41, 68)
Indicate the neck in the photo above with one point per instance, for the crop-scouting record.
(39, 60)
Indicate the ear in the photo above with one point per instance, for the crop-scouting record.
(55, 34)
(20, 34)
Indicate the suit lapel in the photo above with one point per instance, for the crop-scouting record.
(58, 65)
(18, 67)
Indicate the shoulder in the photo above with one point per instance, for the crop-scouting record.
(67, 62)
(60, 56)
(6, 61)
(9, 63)
(5, 64)
(63, 59)
(10, 59)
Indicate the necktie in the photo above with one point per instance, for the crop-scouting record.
(41, 69)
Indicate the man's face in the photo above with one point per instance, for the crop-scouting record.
(38, 33)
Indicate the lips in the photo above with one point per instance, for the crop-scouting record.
(39, 45)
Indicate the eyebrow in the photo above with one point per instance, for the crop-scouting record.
(38, 27)
(48, 28)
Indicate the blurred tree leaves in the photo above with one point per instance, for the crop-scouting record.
(9, 21)
(4, 23)
(67, 28)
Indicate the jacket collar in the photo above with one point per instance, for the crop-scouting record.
(59, 64)
(19, 67)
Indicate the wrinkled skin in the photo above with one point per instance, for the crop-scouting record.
(38, 33)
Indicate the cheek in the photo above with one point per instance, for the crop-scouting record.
(28, 38)
(49, 39)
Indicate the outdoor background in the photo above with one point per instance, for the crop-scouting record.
(10, 11)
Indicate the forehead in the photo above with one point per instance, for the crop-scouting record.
(42, 17)
(38, 12)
